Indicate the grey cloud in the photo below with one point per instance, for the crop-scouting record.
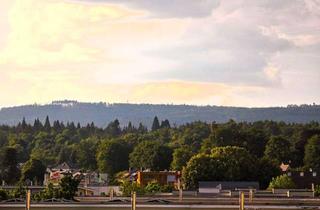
(233, 49)
(170, 8)
(222, 53)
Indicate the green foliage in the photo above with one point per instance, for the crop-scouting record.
(167, 188)
(18, 192)
(86, 153)
(112, 156)
(3, 194)
(112, 149)
(113, 129)
(51, 192)
(68, 186)
(180, 157)
(33, 170)
(223, 164)
(317, 190)
(278, 149)
(282, 182)
(10, 172)
(152, 187)
(312, 151)
(151, 155)
(267, 169)
(128, 187)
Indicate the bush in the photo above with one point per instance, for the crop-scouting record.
(4, 195)
(68, 186)
(19, 192)
(152, 187)
(281, 182)
(317, 190)
(166, 188)
(128, 187)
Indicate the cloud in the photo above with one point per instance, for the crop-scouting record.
(169, 8)
(49, 31)
(180, 51)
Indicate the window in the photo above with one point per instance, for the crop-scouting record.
(314, 174)
(301, 173)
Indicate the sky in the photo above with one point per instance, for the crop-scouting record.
(205, 52)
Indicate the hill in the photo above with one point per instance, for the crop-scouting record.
(102, 113)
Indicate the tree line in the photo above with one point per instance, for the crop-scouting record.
(202, 151)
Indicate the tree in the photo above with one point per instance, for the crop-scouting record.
(37, 125)
(69, 186)
(278, 149)
(239, 164)
(223, 164)
(181, 156)
(193, 134)
(155, 124)
(9, 166)
(282, 182)
(112, 156)
(33, 170)
(267, 169)
(47, 125)
(151, 155)
(86, 153)
(113, 129)
(142, 129)
(165, 124)
(312, 153)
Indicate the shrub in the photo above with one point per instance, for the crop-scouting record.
(3, 195)
(317, 190)
(281, 182)
(128, 187)
(166, 188)
(152, 187)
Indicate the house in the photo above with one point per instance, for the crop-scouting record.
(55, 174)
(161, 177)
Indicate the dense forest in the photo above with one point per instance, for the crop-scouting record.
(103, 113)
(203, 151)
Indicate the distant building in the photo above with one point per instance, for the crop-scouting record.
(54, 174)
(216, 186)
(161, 177)
(88, 179)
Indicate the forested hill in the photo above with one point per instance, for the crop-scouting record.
(102, 113)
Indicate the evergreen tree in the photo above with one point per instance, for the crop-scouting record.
(47, 125)
(24, 124)
(142, 128)
(165, 124)
(155, 124)
(113, 129)
(37, 125)
(56, 126)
